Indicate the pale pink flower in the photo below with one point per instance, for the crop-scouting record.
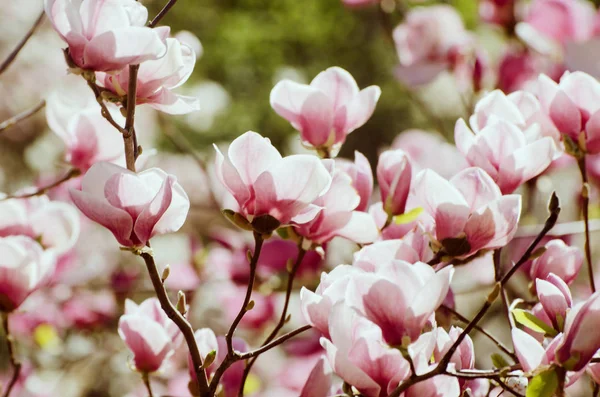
(573, 105)
(57, 224)
(362, 177)
(358, 354)
(413, 247)
(151, 336)
(509, 138)
(550, 24)
(319, 381)
(156, 80)
(416, 143)
(134, 207)
(264, 183)
(559, 258)
(581, 339)
(338, 218)
(394, 173)
(400, 297)
(530, 352)
(427, 42)
(467, 213)
(87, 310)
(23, 267)
(88, 137)
(327, 110)
(106, 35)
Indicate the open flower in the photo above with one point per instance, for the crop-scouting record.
(467, 213)
(106, 35)
(156, 80)
(23, 266)
(264, 183)
(134, 207)
(327, 110)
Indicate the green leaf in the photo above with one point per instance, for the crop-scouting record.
(543, 384)
(499, 361)
(532, 322)
(408, 217)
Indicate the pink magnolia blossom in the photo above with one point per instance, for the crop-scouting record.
(23, 267)
(427, 42)
(150, 335)
(498, 12)
(416, 143)
(57, 224)
(394, 173)
(88, 137)
(327, 110)
(466, 214)
(358, 354)
(338, 216)
(550, 24)
(362, 177)
(87, 310)
(581, 339)
(106, 35)
(134, 207)
(560, 259)
(319, 381)
(530, 352)
(400, 297)
(506, 139)
(517, 69)
(555, 299)
(157, 78)
(573, 105)
(264, 183)
(413, 247)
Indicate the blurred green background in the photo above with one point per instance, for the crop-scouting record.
(247, 43)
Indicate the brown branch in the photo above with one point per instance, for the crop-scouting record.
(72, 173)
(442, 366)
(282, 318)
(22, 116)
(274, 343)
(11, 356)
(129, 137)
(181, 322)
(162, 13)
(585, 194)
(13, 55)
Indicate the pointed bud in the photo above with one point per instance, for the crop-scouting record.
(181, 303)
(165, 274)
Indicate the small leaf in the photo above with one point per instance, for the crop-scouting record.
(209, 359)
(250, 306)
(537, 253)
(532, 322)
(499, 361)
(408, 217)
(543, 384)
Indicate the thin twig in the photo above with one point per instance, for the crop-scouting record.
(72, 173)
(282, 318)
(129, 137)
(442, 366)
(162, 13)
(13, 55)
(181, 322)
(491, 337)
(22, 116)
(104, 110)
(146, 379)
(586, 218)
(274, 343)
(11, 356)
(503, 292)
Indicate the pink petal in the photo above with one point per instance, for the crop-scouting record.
(287, 99)
(526, 163)
(361, 108)
(339, 86)
(251, 155)
(529, 351)
(476, 186)
(565, 115)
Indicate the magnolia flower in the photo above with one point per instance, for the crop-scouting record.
(394, 173)
(358, 354)
(555, 299)
(157, 78)
(150, 335)
(427, 42)
(319, 381)
(362, 177)
(530, 352)
(134, 207)
(338, 216)
(413, 247)
(88, 137)
(106, 35)
(506, 139)
(572, 21)
(23, 266)
(264, 183)
(573, 105)
(55, 223)
(327, 110)
(400, 297)
(467, 213)
(558, 258)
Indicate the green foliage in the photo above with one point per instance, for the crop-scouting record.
(543, 384)
(532, 322)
